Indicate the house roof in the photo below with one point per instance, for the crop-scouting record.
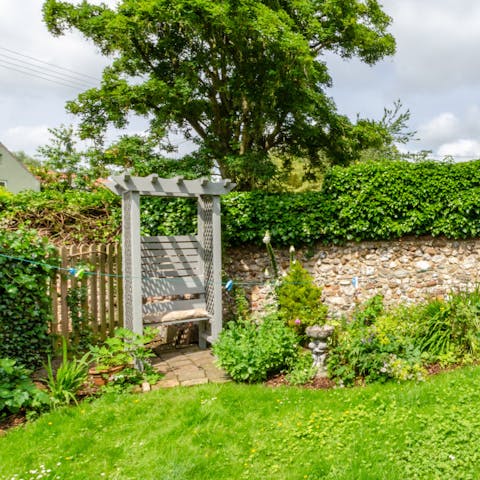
(2, 146)
(15, 173)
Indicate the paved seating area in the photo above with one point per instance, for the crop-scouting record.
(187, 366)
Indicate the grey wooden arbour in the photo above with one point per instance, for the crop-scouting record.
(177, 278)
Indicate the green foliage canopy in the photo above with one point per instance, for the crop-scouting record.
(243, 78)
(61, 154)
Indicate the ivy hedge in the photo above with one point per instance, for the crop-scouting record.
(366, 201)
(25, 306)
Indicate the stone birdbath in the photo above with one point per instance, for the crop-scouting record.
(318, 345)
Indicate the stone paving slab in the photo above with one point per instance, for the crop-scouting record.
(201, 356)
(186, 367)
(185, 376)
(179, 362)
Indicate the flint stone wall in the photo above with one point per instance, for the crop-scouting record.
(408, 270)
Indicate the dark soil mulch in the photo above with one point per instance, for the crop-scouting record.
(11, 422)
(315, 384)
(326, 383)
(436, 368)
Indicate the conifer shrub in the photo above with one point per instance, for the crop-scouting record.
(300, 299)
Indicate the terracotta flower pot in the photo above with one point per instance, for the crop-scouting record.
(103, 376)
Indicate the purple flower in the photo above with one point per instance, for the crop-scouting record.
(298, 321)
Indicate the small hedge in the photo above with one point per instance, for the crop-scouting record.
(25, 306)
(367, 201)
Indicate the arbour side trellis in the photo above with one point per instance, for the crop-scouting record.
(172, 279)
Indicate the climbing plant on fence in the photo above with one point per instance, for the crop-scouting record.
(25, 305)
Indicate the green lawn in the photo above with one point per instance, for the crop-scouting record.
(408, 431)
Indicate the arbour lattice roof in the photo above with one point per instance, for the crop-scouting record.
(153, 185)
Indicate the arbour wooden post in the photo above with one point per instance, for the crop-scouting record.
(132, 287)
(217, 268)
(209, 233)
(201, 224)
(142, 256)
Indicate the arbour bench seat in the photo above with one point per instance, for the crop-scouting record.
(173, 287)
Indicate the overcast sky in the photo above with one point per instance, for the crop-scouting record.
(435, 73)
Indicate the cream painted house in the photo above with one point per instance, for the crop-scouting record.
(14, 176)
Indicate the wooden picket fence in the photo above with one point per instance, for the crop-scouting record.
(92, 299)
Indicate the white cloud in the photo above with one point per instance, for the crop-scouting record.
(460, 149)
(450, 133)
(24, 38)
(435, 72)
(29, 103)
(445, 126)
(436, 43)
(26, 138)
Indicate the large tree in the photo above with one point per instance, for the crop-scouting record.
(242, 77)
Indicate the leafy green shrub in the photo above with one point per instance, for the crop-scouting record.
(371, 347)
(291, 219)
(466, 326)
(251, 352)
(235, 304)
(74, 216)
(365, 201)
(358, 354)
(300, 300)
(373, 201)
(25, 305)
(17, 391)
(127, 379)
(124, 348)
(168, 216)
(377, 344)
(403, 369)
(433, 329)
(130, 350)
(302, 371)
